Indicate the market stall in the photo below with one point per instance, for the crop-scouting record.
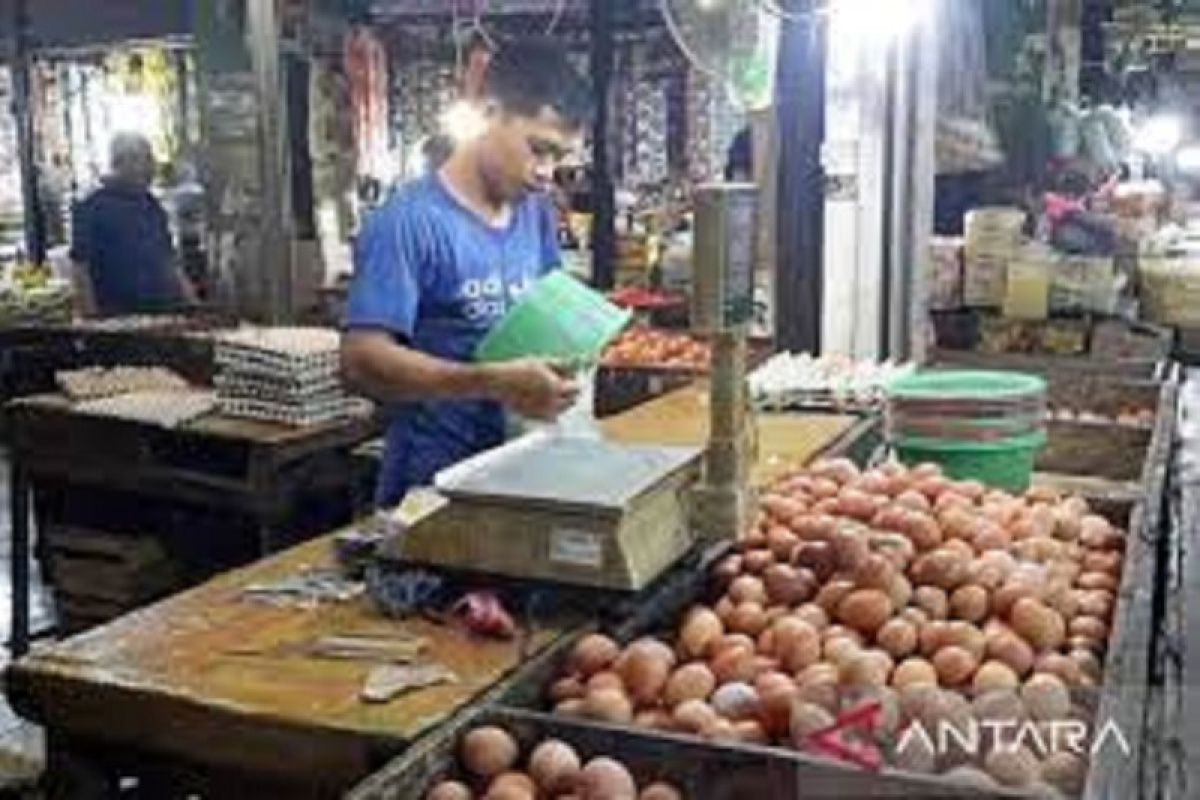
(145, 483)
(227, 683)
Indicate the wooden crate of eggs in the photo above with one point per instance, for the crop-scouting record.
(941, 601)
(504, 754)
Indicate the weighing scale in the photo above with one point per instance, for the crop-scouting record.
(582, 510)
(558, 508)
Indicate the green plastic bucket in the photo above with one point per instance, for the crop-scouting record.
(982, 388)
(1004, 464)
(558, 318)
(978, 425)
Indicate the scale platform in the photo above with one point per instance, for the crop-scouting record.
(573, 510)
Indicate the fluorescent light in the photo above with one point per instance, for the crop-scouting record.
(1187, 159)
(1159, 135)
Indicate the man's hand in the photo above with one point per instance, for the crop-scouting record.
(531, 387)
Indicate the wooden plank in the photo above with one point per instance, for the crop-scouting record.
(216, 680)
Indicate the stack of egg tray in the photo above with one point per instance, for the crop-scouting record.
(287, 375)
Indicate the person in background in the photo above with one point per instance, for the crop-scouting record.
(123, 259)
(443, 260)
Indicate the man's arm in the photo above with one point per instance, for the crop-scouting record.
(378, 366)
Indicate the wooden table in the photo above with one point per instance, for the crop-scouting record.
(253, 468)
(217, 687)
(783, 439)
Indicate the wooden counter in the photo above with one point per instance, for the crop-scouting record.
(259, 471)
(217, 684)
(681, 418)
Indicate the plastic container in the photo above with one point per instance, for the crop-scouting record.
(980, 425)
(1004, 464)
(558, 318)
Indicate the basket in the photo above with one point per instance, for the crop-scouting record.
(1004, 464)
(558, 318)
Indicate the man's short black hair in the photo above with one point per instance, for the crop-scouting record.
(528, 75)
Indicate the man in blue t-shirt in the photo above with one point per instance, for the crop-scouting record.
(443, 260)
(124, 261)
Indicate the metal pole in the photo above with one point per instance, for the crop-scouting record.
(800, 105)
(275, 262)
(35, 223)
(604, 201)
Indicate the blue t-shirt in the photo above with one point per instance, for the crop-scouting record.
(438, 277)
(121, 233)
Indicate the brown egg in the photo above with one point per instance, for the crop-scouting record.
(866, 668)
(970, 603)
(1012, 650)
(694, 716)
(644, 672)
(606, 779)
(656, 719)
(817, 556)
(1046, 696)
(776, 693)
(488, 751)
(931, 637)
(914, 672)
(701, 629)
(1097, 580)
(932, 601)
(942, 568)
(992, 676)
(1063, 667)
(593, 653)
(1088, 662)
(807, 719)
(831, 594)
(967, 636)
(660, 791)
(797, 644)
(755, 562)
(1089, 627)
(512, 786)
(898, 637)
(604, 680)
(449, 790)
(1065, 771)
(693, 681)
(999, 705)
(782, 543)
(814, 615)
(954, 665)
(748, 618)
(1016, 767)
(865, 610)
(734, 664)
(1042, 627)
(748, 589)
(608, 705)
(787, 585)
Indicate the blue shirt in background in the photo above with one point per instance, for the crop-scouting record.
(121, 233)
(435, 275)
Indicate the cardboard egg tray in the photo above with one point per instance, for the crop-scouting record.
(166, 409)
(96, 382)
(256, 387)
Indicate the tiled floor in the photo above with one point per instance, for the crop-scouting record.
(22, 747)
